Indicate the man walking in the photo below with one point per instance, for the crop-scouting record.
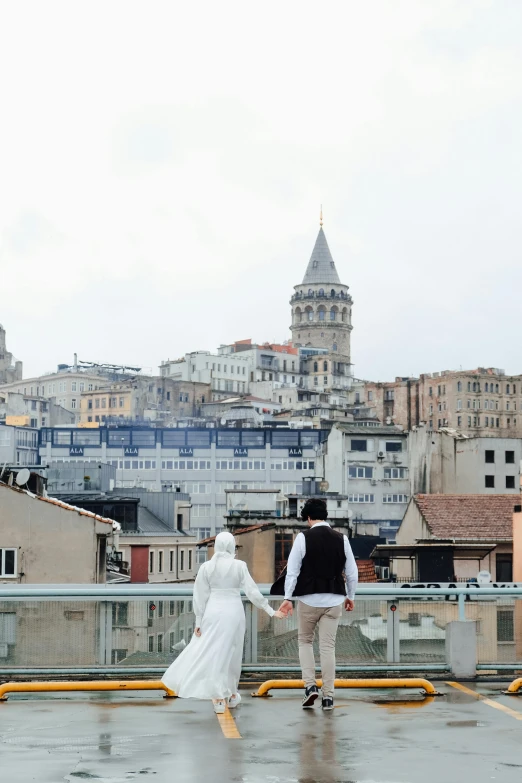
(322, 574)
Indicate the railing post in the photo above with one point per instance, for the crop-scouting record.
(248, 633)
(462, 606)
(105, 633)
(393, 653)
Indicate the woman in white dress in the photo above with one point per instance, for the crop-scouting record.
(210, 666)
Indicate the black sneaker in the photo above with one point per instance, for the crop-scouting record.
(328, 703)
(311, 695)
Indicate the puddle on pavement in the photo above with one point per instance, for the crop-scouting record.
(465, 724)
(404, 703)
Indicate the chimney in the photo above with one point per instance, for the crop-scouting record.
(75, 362)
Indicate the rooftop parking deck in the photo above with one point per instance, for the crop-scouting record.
(472, 732)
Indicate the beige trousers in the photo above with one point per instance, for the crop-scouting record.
(327, 618)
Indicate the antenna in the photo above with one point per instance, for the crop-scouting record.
(22, 477)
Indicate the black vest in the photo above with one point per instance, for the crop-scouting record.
(322, 569)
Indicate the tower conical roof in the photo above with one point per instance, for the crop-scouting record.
(321, 267)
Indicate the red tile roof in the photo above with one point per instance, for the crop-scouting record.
(366, 570)
(468, 517)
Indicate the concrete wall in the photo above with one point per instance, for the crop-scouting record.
(442, 463)
(55, 545)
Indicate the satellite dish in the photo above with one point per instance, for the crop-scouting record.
(22, 477)
(323, 486)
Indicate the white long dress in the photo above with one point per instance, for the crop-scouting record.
(210, 666)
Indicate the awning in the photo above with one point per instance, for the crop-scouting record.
(460, 551)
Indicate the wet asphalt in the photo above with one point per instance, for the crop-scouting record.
(370, 737)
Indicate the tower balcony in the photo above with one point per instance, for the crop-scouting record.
(325, 295)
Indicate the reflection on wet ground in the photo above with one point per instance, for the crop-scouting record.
(370, 737)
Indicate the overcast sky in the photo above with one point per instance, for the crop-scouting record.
(162, 167)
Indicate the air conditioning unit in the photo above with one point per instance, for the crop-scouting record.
(381, 454)
(4, 650)
(373, 482)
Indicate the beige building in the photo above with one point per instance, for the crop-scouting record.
(143, 398)
(63, 388)
(46, 541)
(444, 538)
(482, 401)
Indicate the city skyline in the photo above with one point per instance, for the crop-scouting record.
(151, 206)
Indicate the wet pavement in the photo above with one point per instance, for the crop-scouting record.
(370, 737)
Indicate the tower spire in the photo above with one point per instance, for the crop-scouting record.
(321, 217)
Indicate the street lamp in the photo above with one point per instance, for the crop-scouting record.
(122, 458)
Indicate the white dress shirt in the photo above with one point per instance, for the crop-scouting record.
(293, 569)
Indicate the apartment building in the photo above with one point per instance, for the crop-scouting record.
(482, 401)
(453, 462)
(63, 387)
(31, 411)
(372, 468)
(143, 398)
(18, 445)
(224, 374)
(201, 462)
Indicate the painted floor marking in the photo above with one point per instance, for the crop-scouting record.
(495, 704)
(228, 725)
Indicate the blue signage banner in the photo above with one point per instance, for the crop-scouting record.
(296, 451)
(76, 451)
(240, 451)
(187, 451)
(131, 451)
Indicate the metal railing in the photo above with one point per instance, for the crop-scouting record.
(140, 629)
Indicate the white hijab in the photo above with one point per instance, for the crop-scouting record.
(224, 551)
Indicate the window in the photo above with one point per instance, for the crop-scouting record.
(120, 614)
(395, 498)
(190, 560)
(490, 482)
(118, 655)
(393, 445)
(505, 622)
(182, 560)
(370, 396)
(361, 498)
(151, 643)
(510, 457)
(490, 455)
(97, 402)
(151, 562)
(510, 482)
(359, 445)
(395, 473)
(160, 561)
(459, 421)
(73, 404)
(459, 386)
(171, 560)
(389, 395)
(504, 567)
(360, 472)
(8, 563)
(172, 608)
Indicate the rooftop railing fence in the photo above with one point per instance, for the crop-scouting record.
(140, 629)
